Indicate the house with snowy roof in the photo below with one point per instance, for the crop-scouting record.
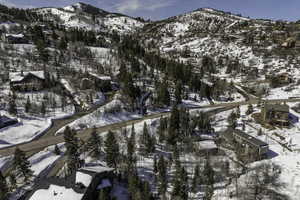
(247, 147)
(85, 184)
(102, 82)
(27, 81)
(15, 38)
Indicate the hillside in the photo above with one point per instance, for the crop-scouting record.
(203, 105)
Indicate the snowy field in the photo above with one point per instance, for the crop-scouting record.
(44, 159)
(29, 127)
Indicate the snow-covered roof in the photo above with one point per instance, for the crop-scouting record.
(104, 78)
(55, 192)
(14, 35)
(104, 184)
(17, 76)
(207, 144)
(98, 169)
(83, 178)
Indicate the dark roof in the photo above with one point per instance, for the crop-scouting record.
(250, 139)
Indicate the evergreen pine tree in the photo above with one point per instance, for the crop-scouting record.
(208, 173)
(12, 109)
(111, 147)
(12, 181)
(57, 150)
(184, 186)
(103, 195)
(196, 178)
(133, 184)
(131, 149)
(146, 191)
(95, 144)
(72, 151)
(155, 170)
(28, 105)
(145, 136)
(250, 109)
(3, 187)
(178, 93)
(21, 164)
(147, 142)
(162, 175)
(161, 129)
(174, 126)
(43, 109)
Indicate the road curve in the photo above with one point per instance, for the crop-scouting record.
(39, 144)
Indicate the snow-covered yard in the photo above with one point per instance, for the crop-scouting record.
(289, 161)
(29, 127)
(44, 159)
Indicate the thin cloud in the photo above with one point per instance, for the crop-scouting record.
(128, 6)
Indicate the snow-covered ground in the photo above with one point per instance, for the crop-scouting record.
(44, 159)
(289, 161)
(284, 92)
(28, 128)
(56, 193)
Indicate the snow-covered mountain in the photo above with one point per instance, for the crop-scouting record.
(88, 17)
(220, 35)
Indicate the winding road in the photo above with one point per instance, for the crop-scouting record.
(43, 142)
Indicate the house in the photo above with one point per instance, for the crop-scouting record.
(15, 38)
(247, 147)
(276, 114)
(207, 147)
(289, 43)
(6, 121)
(85, 184)
(27, 81)
(102, 179)
(102, 82)
(280, 79)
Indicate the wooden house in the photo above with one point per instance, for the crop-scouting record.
(27, 81)
(104, 83)
(276, 114)
(84, 184)
(102, 179)
(246, 146)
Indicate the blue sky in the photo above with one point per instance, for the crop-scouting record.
(160, 9)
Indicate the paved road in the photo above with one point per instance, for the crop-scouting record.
(41, 143)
